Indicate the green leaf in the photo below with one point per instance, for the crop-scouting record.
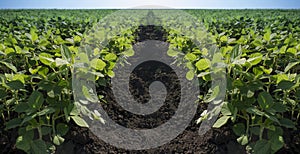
(10, 66)
(22, 107)
(23, 143)
(212, 94)
(47, 110)
(202, 74)
(265, 100)
(223, 38)
(287, 123)
(267, 35)
(241, 61)
(243, 140)
(239, 129)
(172, 52)
(227, 109)
(13, 123)
(129, 52)
(262, 147)
(255, 111)
(36, 100)
(110, 57)
(203, 64)
(39, 146)
(9, 50)
(221, 121)
(20, 77)
(58, 140)
(60, 62)
(66, 53)
(277, 143)
(190, 75)
(255, 58)
(236, 53)
(292, 51)
(190, 57)
(98, 64)
(33, 34)
(281, 77)
(15, 85)
(89, 94)
(110, 73)
(255, 130)
(62, 129)
(46, 58)
(291, 65)
(79, 121)
(285, 85)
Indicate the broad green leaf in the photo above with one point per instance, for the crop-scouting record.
(243, 140)
(271, 117)
(281, 77)
(36, 100)
(23, 143)
(13, 123)
(60, 62)
(190, 75)
(287, 123)
(62, 129)
(128, 52)
(239, 61)
(255, 111)
(227, 109)
(98, 64)
(58, 140)
(47, 110)
(89, 94)
(202, 74)
(39, 146)
(255, 58)
(223, 38)
(46, 58)
(203, 64)
(24, 140)
(79, 121)
(20, 77)
(9, 50)
(221, 121)
(291, 65)
(277, 142)
(262, 147)
(34, 36)
(283, 50)
(239, 129)
(212, 94)
(172, 52)
(9, 65)
(190, 57)
(267, 35)
(236, 53)
(66, 53)
(110, 73)
(110, 57)
(285, 85)
(292, 51)
(15, 85)
(265, 100)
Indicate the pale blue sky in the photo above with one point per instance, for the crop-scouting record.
(205, 4)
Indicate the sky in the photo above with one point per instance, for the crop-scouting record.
(197, 4)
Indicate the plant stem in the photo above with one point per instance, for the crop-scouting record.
(261, 131)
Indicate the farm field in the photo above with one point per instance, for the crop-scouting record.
(261, 109)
